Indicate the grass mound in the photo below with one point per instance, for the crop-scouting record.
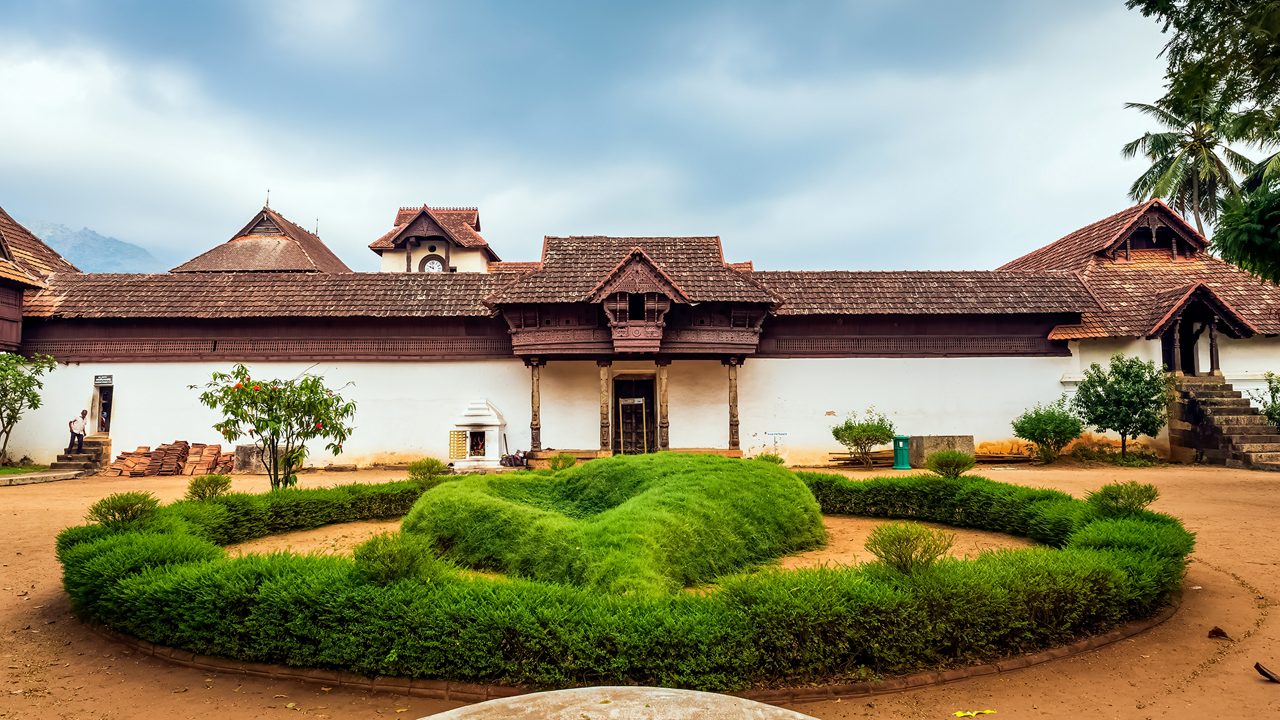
(646, 523)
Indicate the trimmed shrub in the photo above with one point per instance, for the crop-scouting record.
(391, 557)
(861, 436)
(1049, 427)
(770, 458)
(386, 614)
(908, 547)
(124, 508)
(563, 461)
(205, 487)
(1122, 499)
(950, 463)
(427, 471)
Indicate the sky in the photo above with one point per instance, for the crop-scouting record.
(864, 134)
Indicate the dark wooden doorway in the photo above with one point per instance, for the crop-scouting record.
(1189, 332)
(635, 416)
(105, 395)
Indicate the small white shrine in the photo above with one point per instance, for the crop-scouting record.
(477, 437)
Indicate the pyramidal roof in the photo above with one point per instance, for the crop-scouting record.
(269, 243)
(24, 258)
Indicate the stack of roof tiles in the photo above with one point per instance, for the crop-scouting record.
(175, 458)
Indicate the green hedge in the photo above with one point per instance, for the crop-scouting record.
(165, 580)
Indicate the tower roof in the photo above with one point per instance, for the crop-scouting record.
(269, 243)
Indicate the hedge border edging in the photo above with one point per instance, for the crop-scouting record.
(479, 692)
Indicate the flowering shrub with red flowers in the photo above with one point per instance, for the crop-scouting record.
(280, 416)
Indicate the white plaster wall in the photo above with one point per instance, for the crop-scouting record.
(923, 396)
(1245, 362)
(464, 259)
(404, 411)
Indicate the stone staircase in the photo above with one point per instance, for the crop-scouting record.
(1212, 422)
(97, 454)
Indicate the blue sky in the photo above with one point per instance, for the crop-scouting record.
(868, 135)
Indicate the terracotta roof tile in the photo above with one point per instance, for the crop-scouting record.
(572, 267)
(1135, 292)
(28, 253)
(462, 225)
(1076, 250)
(840, 292)
(283, 295)
(269, 243)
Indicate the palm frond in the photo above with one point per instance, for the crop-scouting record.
(1159, 113)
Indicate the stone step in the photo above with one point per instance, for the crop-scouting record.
(1270, 466)
(1264, 457)
(1224, 401)
(72, 465)
(1212, 392)
(1219, 412)
(77, 457)
(1247, 437)
(1256, 447)
(1238, 421)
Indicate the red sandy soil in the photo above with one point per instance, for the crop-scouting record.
(52, 666)
(845, 539)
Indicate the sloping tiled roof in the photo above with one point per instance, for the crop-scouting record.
(462, 225)
(255, 295)
(978, 292)
(259, 248)
(29, 259)
(1076, 250)
(1135, 293)
(572, 267)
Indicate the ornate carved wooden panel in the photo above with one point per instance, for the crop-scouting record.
(146, 350)
(910, 346)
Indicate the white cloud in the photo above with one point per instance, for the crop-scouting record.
(919, 169)
(143, 154)
(958, 168)
(343, 31)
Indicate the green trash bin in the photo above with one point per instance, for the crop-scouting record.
(900, 461)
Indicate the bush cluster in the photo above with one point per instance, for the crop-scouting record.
(950, 463)
(1049, 427)
(908, 547)
(863, 435)
(123, 509)
(205, 487)
(562, 461)
(163, 580)
(427, 472)
(1121, 500)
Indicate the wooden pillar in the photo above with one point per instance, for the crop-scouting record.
(408, 256)
(606, 431)
(535, 404)
(664, 426)
(1214, 367)
(733, 402)
(1177, 345)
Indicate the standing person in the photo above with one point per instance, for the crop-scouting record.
(77, 427)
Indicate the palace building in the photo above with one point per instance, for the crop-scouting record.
(618, 344)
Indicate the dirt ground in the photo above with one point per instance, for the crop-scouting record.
(845, 539)
(51, 666)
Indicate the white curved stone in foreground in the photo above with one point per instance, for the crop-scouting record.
(621, 703)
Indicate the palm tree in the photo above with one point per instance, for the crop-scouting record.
(1191, 165)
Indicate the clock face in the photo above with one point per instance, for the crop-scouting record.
(433, 266)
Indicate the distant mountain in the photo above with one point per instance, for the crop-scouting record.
(93, 252)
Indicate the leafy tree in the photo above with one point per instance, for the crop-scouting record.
(1050, 427)
(281, 416)
(1191, 164)
(860, 436)
(1249, 234)
(20, 387)
(1129, 397)
(1269, 399)
(1229, 44)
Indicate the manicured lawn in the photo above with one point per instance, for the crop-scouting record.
(20, 469)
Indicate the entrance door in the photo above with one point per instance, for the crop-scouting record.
(1189, 335)
(635, 417)
(104, 408)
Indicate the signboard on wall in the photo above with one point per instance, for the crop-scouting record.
(100, 380)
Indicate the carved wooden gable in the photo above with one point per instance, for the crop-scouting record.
(637, 274)
(422, 226)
